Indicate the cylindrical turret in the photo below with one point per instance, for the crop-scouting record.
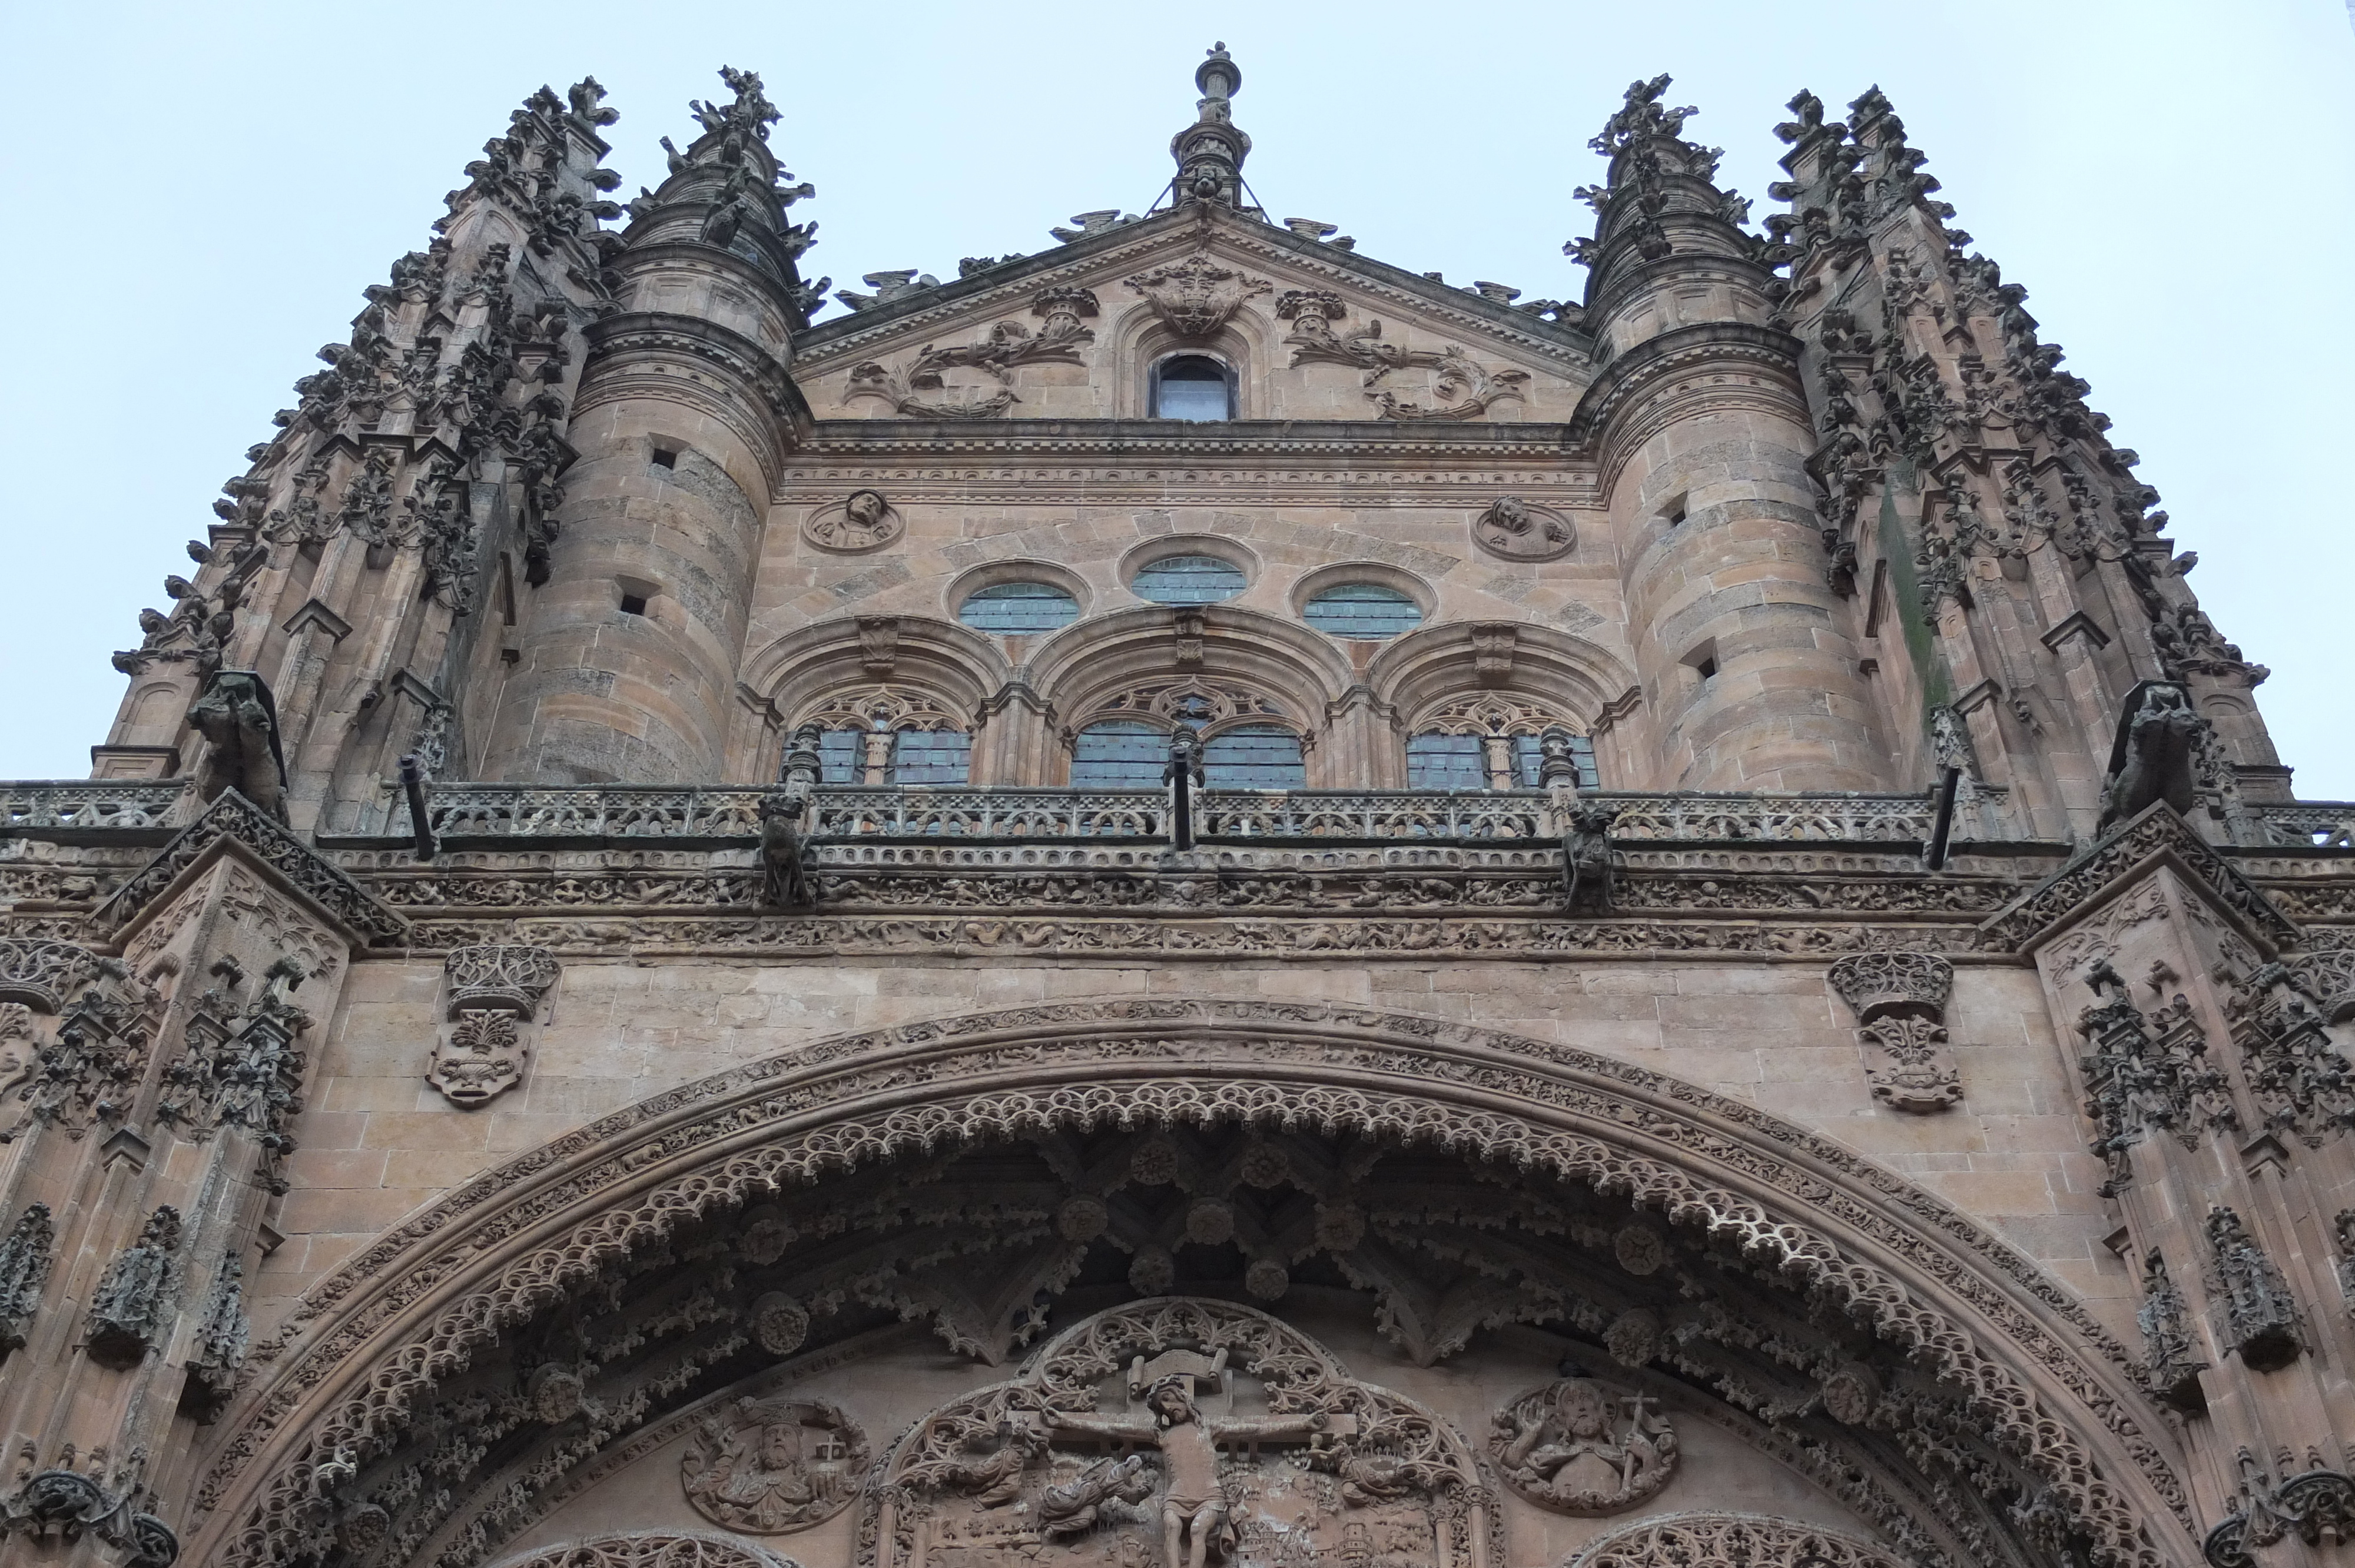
(628, 656)
(1702, 432)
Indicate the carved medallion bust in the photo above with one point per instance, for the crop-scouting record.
(1519, 530)
(861, 522)
(768, 1466)
(1579, 1446)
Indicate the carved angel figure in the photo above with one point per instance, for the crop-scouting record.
(1567, 1448)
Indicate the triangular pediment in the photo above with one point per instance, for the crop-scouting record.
(1311, 332)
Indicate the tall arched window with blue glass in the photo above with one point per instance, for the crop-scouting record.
(1134, 753)
(890, 736)
(1193, 386)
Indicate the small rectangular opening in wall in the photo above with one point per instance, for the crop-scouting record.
(633, 604)
(1877, 601)
(1706, 669)
(1673, 512)
(1702, 663)
(665, 457)
(507, 595)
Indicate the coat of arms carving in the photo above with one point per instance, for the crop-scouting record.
(1198, 296)
(1181, 1434)
(768, 1466)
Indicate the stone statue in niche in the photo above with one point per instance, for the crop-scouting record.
(1519, 530)
(771, 1466)
(860, 522)
(1578, 1446)
(1181, 1434)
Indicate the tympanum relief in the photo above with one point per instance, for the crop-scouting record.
(1579, 1446)
(1181, 1433)
(767, 1466)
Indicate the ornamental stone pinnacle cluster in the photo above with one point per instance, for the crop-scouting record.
(1190, 900)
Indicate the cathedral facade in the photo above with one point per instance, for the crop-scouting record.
(1189, 902)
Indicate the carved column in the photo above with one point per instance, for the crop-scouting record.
(159, 1116)
(2220, 1105)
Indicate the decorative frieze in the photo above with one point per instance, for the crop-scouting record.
(1900, 1001)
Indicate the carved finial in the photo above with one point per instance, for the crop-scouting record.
(1210, 152)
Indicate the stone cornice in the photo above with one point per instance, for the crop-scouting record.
(233, 824)
(2157, 836)
(636, 333)
(1680, 352)
(1360, 441)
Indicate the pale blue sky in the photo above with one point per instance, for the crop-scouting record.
(196, 195)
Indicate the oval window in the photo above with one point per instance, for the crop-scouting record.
(1192, 387)
(1017, 607)
(1189, 579)
(1362, 609)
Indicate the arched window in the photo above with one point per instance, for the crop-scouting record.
(1017, 609)
(1490, 743)
(887, 735)
(1189, 579)
(1253, 757)
(1120, 754)
(1367, 610)
(1193, 386)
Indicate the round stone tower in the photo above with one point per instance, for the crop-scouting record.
(1700, 424)
(630, 642)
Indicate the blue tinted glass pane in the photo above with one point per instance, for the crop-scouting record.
(1186, 397)
(1189, 579)
(1120, 754)
(1528, 752)
(931, 757)
(842, 757)
(1363, 609)
(1446, 762)
(1253, 757)
(1018, 607)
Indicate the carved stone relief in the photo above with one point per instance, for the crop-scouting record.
(497, 994)
(2260, 1317)
(1900, 1001)
(666, 1550)
(1731, 1541)
(1519, 530)
(1457, 386)
(1198, 296)
(920, 388)
(775, 1466)
(1579, 1446)
(863, 521)
(2146, 1072)
(1175, 1433)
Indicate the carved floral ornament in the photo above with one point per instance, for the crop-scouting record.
(465, 1272)
(975, 381)
(1457, 387)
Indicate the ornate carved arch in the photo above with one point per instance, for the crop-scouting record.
(668, 1549)
(2039, 1377)
(1429, 668)
(1081, 668)
(1731, 1541)
(956, 667)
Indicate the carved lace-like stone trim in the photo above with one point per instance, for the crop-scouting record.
(1058, 1078)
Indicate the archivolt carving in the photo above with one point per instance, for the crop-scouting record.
(505, 1246)
(1731, 1541)
(664, 1551)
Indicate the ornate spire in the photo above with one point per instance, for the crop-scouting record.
(1660, 196)
(1210, 152)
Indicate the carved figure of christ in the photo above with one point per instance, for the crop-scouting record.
(1193, 1508)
